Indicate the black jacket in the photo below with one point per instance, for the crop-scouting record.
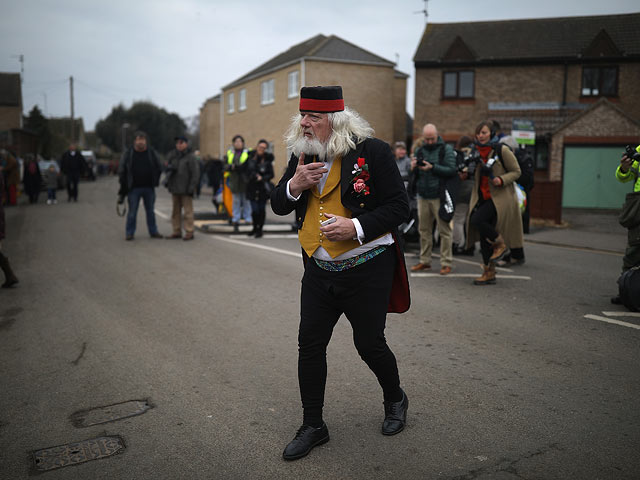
(72, 164)
(125, 172)
(380, 212)
(259, 190)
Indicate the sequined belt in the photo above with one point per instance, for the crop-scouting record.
(340, 265)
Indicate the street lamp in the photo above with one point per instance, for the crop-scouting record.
(124, 135)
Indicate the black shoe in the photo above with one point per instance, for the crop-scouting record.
(306, 438)
(156, 235)
(258, 234)
(128, 237)
(616, 300)
(395, 415)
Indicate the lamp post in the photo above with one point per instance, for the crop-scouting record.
(124, 135)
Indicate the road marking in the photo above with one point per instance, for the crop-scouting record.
(622, 314)
(162, 215)
(611, 320)
(462, 260)
(256, 245)
(470, 275)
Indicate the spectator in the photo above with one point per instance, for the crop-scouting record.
(627, 171)
(183, 176)
(214, 170)
(495, 217)
(10, 278)
(260, 174)
(202, 172)
(236, 175)
(462, 149)
(433, 162)
(32, 180)
(72, 165)
(52, 184)
(403, 162)
(11, 172)
(139, 174)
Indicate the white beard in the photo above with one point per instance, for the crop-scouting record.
(309, 146)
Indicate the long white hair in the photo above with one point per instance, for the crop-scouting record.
(348, 129)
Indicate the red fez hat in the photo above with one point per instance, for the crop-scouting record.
(321, 99)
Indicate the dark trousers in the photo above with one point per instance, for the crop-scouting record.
(483, 219)
(362, 294)
(72, 185)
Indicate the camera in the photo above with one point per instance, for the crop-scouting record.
(632, 153)
(470, 162)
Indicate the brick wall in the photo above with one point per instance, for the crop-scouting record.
(10, 118)
(210, 129)
(399, 108)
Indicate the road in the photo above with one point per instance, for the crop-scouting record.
(510, 381)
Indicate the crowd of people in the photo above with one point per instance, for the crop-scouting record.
(468, 194)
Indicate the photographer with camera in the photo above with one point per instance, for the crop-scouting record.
(432, 164)
(495, 217)
(628, 170)
(139, 173)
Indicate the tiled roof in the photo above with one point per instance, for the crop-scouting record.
(320, 47)
(528, 40)
(10, 90)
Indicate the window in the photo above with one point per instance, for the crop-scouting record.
(599, 81)
(457, 84)
(267, 92)
(541, 154)
(293, 84)
(230, 103)
(242, 100)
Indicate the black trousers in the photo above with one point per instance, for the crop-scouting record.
(484, 218)
(362, 294)
(72, 185)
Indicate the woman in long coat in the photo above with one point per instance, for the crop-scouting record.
(494, 218)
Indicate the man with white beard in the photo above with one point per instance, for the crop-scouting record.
(348, 196)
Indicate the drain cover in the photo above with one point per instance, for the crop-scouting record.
(110, 413)
(75, 453)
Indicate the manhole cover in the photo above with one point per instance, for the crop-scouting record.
(75, 453)
(109, 413)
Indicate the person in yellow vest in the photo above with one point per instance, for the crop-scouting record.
(236, 180)
(627, 171)
(348, 197)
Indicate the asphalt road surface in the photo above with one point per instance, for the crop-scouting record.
(510, 381)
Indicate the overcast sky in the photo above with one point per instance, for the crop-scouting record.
(179, 53)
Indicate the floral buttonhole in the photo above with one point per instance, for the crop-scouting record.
(361, 175)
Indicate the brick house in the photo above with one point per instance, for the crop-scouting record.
(576, 78)
(12, 136)
(261, 103)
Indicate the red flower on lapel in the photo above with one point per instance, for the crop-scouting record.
(361, 175)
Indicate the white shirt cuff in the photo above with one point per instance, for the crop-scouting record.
(359, 231)
(291, 197)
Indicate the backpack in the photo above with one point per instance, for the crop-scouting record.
(629, 288)
(526, 167)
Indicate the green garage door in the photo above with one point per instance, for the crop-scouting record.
(589, 179)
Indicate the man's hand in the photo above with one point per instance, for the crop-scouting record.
(306, 176)
(497, 181)
(342, 229)
(625, 163)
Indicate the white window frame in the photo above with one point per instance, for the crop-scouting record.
(293, 83)
(242, 100)
(231, 103)
(267, 92)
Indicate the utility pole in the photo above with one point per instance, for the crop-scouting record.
(20, 58)
(71, 96)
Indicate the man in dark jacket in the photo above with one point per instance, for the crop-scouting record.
(433, 162)
(183, 176)
(139, 174)
(72, 165)
(10, 277)
(340, 175)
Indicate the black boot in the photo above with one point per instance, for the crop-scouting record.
(10, 278)
(260, 223)
(395, 415)
(254, 223)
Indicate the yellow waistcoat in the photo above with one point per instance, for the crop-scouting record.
(310, 236)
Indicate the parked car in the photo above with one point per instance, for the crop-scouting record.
(44, 170)
(92, 164)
